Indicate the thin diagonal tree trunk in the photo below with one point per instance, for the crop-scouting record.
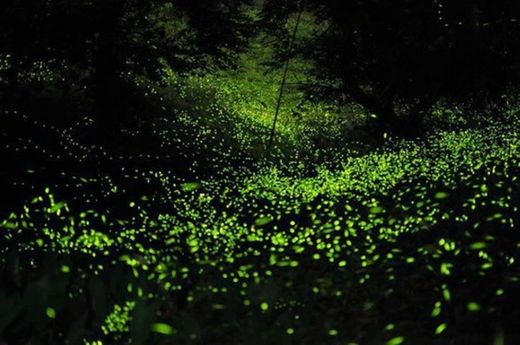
(282, 86)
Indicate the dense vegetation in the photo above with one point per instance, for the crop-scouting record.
(144, 203)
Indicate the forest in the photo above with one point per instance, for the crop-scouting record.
(259, 172)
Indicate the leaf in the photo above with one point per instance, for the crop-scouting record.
(333, 332)
(50, 312)
(190, 186)
(473, 306)
(264, 306)
(478, 245)
(441, 195)
(395, 341)
(376, 210)
(440, 328)
(162, 328)
(263, 220)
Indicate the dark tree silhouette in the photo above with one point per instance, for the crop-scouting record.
(382, 53)
(106, 40)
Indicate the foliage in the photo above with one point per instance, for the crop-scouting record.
(382, 54)
(252, 260)
(172, 227)
(106, 43)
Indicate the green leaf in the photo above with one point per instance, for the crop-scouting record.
(162, 328)
(264, 306)
(263, 221)
(190, 186)
(50, 312)
(440, 328)
(395, 341)
(376, 210)
(441, 195)
(478, 245)
(473, 306)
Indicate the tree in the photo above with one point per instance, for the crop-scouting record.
(108, 40)
(381, 54)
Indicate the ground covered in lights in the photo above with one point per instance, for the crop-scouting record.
(411, 243)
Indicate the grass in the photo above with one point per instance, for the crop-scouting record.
(186, 235)
(412, 243)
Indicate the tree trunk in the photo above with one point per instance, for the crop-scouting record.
(380, 106)
(387, 118)
(10, 85)
(106, 78)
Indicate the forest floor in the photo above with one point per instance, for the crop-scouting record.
(197, 239)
